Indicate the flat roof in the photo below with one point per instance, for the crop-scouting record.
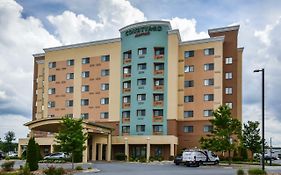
(201, 41)
(224, 29)
(153, 22)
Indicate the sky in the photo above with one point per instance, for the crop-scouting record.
(28, 26)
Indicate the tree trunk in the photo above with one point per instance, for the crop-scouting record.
(229, 157)
(72, 157)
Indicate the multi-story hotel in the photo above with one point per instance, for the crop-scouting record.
(147, 93)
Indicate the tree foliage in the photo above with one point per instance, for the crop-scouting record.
(71, 138)
(224, 128)
(32, 155)
(251, 137)
(7, 144)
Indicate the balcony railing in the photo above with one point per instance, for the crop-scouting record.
(126, 105)
(126, 90)
(128, 75)
(158, 72)
(127, 60)
(125, 119)
(157, 118)
(157, 132)
(158, 103)
(158, 88)
(158, 57)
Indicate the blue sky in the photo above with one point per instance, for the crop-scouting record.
(27, 26)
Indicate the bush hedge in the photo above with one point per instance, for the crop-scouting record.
(8, 165)
(54, 171)
(120, 156)
(240, 172)
(256, 171)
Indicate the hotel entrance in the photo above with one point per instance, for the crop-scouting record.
(138, 151)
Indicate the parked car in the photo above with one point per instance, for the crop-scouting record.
(178, 159)
(12, 154)
(58, 155)
(268, 157)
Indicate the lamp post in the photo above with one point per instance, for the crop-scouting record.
(262, 70)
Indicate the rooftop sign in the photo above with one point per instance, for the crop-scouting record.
(145, 30)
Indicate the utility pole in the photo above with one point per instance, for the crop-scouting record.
(270, 151)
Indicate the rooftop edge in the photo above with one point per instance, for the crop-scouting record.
(224, 29)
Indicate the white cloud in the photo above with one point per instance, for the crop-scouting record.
(187, 28)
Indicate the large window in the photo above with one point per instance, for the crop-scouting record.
(159, 51)
(142, 66)
(85, 74)
(228, 60)
(228, 91)
(85, 88)
(52, 78)
(69, 103)
(158, 112)
(157, 128)
(188, 114)
(141, 97)
(189, 53)
(51, 91)
(126, 99)
(104, 115)
(104, 86)
(52, 65)
(86, 60)
(126, 114)
(104, 72)
(142, 51)
(69, 89)
(126, 84)
(127, 70)
(158, 82)
(228, 75)
(141, 112)
(140, 128)
(189, 68)
(229, 104)
(70, 62)
(209, 66)
(209, 51)
(188, 83)
(208, 97)
(104, 101)
(70, 76)
(207, 128)
(84, 116)
(188, 129)
(51, 104)
(158, 97)
(141, 82)
(105, 58)
(125, 129)
(208, 113)
(209, 82)
(84, 102)
(127, 55)
(188, 98)
(159, 66)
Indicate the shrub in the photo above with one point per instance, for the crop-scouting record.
(89, 168)
(171, 158)
(32, 154)
(151, 159)
(142, 159)
(132, 159)
(8, 165)
(159, 158)
(79, 168)
(120, 156)
(240, 172)
(256, 171)
(24, 170)
(54, 171)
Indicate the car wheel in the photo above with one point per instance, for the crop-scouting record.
(216, 162)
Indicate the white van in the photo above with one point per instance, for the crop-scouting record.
(199, 157)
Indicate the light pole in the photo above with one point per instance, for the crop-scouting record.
(262, 70)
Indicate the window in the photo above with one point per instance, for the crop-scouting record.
(228, 90)
(127, 55)
(85, 74)
(228, 60)
(69, 103)
(125, 129)
(51, 104)
(188, 83)
(209, 51)
(158, 97)
(209, 66)
(126, 114)
(104, 115)
(189, 68)
(51, 91)
(208, 128)
(104, 86)
(127, 70)
(208, 97)
(50, 116)
(141, 97)
(229, 104)
(157, 128)
(70, 76)
(142, 51)
(208, 113)
(141, 82)
(85, 88)
(140, 128)
(126, 99)
(141, 112)
(188, 129)
(209, 82)
(142, 66)
(159, 51)
(159, 66)
(158, 112)
(86, 60)
(105, 58)
(52, 65)
(84, 116)
(228, 75)
(70, 62)
(52, 78)
(158, 82)
(188, 114)
(189, 53)
(104, 72)
(84, 102)
(69, 115)
(188, 98)
(104, 101)
(127, 85)
(69, 89)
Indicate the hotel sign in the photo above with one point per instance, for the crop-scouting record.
(145, 30)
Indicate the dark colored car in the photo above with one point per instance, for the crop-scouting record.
(178, 160)
(266, 157)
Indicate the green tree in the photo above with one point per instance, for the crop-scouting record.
(251, 138)
(32, 155)
(71, 138)
(8, 144)
(225, 134)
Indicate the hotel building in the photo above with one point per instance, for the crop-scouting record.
(147, 93)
